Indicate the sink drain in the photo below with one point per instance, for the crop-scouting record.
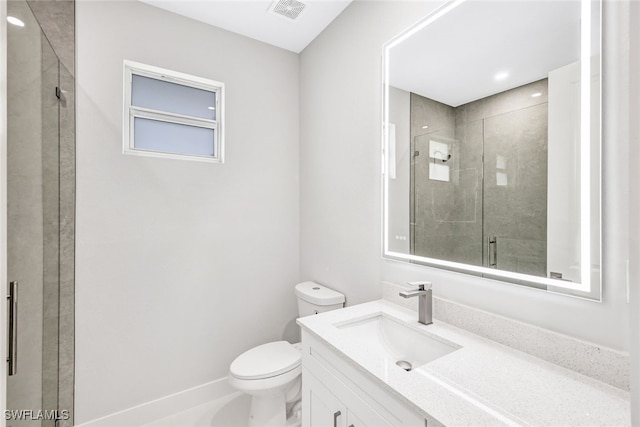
(404, 365)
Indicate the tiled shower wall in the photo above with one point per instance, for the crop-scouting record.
(503, 196)
(57, 20)
(44, 193)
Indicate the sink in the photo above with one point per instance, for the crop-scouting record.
(396, 342)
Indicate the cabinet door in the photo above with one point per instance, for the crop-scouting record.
(323, 409)
(364, 416)
(353, 421)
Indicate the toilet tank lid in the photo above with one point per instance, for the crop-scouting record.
(317, 294)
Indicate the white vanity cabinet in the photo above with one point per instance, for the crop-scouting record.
(327, 409)
(337, 394)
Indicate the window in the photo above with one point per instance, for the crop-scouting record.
(171, 114)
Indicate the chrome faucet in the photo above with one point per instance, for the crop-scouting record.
(425, 301)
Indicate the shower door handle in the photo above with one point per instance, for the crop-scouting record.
(492, 252)
(12, 334)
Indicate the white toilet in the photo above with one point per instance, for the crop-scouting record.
(271, 373)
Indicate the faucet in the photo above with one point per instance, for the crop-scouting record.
(425, 302)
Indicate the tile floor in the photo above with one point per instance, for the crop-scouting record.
(229, 411)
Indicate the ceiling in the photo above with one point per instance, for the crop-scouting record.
(252, 18)
(455, 59)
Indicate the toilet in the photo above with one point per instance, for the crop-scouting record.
(271, 373)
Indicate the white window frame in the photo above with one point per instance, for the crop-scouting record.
(132, 112)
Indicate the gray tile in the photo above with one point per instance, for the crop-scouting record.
(41, 205)
(503, 196)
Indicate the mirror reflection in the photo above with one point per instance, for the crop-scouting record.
(485, 135)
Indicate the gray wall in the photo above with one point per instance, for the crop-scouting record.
(57, 20)
(515, 128)
(432, 201)
(181, 265)
(340, 193)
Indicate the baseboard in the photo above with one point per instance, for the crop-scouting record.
(165, 406)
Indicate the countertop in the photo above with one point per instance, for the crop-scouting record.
(481, 383)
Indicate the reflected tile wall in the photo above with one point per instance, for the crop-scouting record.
(431, 202)
(516, 201)
(447, 214)
(469, 192)
(504, 196)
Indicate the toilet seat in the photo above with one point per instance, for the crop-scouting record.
(266, 361)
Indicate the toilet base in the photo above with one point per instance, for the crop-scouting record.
(268, 411)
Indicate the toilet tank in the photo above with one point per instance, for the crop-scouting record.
(314, 298)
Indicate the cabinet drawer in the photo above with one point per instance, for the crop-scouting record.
(372, 404)
(328, 403)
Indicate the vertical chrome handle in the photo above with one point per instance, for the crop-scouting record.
(12, 335)
(335, 418)
(492, 252)
(495, 252)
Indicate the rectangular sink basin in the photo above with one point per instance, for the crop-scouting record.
(396, 342)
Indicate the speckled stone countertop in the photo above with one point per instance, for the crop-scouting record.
(481, 383)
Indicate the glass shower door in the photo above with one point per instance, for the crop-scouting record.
(446, 211)
(33, 219)
(479, 191)
(515, 191)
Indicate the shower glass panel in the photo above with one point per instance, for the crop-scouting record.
(447, 203)
(35, 101)
(479, 180)
(515, 191)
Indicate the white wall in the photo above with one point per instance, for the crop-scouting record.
(180, 265)
(399, 215)
(340, 94)
(634, 208)
(340, 128)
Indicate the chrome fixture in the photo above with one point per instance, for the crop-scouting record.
(12, 323)
(425, 301)
(492, 249)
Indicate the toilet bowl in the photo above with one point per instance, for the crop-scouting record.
(271, 373)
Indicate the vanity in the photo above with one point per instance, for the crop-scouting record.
(491, 155)
(351, 376)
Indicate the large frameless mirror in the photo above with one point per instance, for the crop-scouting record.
(491, 142)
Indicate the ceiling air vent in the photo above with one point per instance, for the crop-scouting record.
(290, 9)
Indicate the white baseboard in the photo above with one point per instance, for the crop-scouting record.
(165, 406)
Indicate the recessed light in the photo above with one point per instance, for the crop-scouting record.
(501, 76)
(15, 21)
(425, 127)
(211, 108)
(535, 95)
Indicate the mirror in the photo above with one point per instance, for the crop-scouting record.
(491, 142)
